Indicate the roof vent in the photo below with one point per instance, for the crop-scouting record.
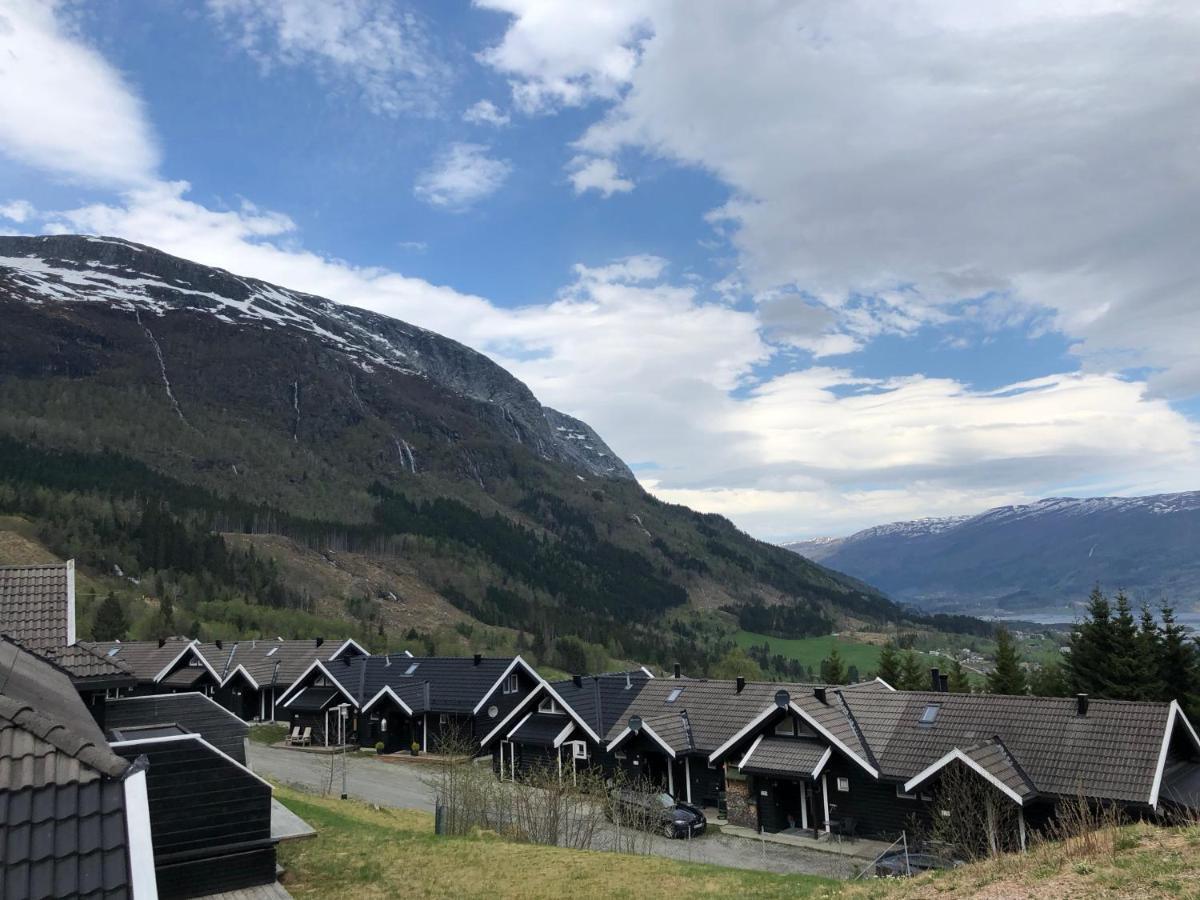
(220, 645)
(578, 680)
(478, 658)
(782, 699)
(935, 678)
(741, 683)
(628, 681)
(387, 662)
(320, 641)
(1081, 704)
(677, 671)
(944, 683)
(162, 642)
(635, 724)
(819, 693)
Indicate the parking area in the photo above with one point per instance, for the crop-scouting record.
(388, 784)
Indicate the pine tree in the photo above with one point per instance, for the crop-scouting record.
(1178, 666)
(1124, 680)
(1148, 656)
(1049, 680)
(1007, 677)
(1092, 646)
(957, 680)
(852, 675)
(911, 677)
(889, 664)
(833, 671)
(110, 623)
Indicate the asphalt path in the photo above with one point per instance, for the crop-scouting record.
(401, 785)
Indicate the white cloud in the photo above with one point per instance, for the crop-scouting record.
(63, 109)
(596, 174)
(384, 53)
(485, 112)
(460, 176)
(1033, 155)
(16, 211)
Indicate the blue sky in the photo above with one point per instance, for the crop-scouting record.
(811, 266)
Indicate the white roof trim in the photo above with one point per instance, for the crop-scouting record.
(487, 739)
(70, 602)
(193, 645)
(750, 752)
(249, 677)
(829, 736)
(283, 698)
(821, 763)
(950, 757)
(1174, 714)
(178, 696)
(567, 706)
(386, 689)
(562, 735)
(136, 742)
(143, 882)
(750, 726)
(349, 642)
(649, 674)
(648, 730)
(316, 664)
(615, 741)
(517, 727)
(290, 699)
(884, 683)
(499, 681)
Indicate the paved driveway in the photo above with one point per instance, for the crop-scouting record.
(400, 785)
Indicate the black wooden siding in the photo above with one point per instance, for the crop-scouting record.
(192, 712)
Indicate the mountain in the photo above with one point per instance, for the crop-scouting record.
(356, 466)
(1034, 558)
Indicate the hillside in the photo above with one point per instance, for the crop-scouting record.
(359, 469)
(1029, 559)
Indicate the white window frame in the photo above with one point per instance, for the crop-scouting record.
(903, 794)
(550, 706)
(843, 784)
(511, 683)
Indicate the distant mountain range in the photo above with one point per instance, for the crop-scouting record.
(1036, 558)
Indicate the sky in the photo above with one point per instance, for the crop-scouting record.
(812, 265)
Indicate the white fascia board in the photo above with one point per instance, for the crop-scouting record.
(517, 727)
(70, 602)
(174, 738)
(241, 668)
(316, 664)
(564, 734)
(167, 668)
(615, 742)
(283, 698)
(884, 683)
(749, 727)
(143, 882)
(517, 661)
(540, 682)
(299, 693)
(829, 736)
(1174, 715)
(571, 712)
(386, 690)
(487, 739)
(349, 642)
(750, 752)
(654, 737)
(822, 762)
(649, 674)
(956, 754)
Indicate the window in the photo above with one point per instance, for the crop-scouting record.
(114, 651)
(510, 684)
(843, 785)
(674, 695)
(902, 795)
(548, 705)
(930, 714)
(786, 727)
(412, 668)
(272, 651)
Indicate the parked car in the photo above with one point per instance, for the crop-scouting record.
(659, 812)
(894, 864)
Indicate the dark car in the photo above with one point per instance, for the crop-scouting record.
(659, 812)
(894, 864)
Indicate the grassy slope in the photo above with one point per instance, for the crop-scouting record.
(361, 851)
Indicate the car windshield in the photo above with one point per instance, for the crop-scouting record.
(666, 801)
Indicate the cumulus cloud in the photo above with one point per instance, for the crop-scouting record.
(461, 175)
(17, 211)
(63, 109)
(384, 53)
(922, 154)
(596, 174)
(485, 112)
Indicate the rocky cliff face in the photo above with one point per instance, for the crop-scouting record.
(160, 293)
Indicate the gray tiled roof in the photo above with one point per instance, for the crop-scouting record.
(144, 659)
(33, 605)
(62, 804)
(83, 663)
(268, 662)
(792, 756)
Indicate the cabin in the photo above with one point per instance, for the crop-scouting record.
(872, 763)
(163, 666)
(254, 674)
(74, 816)
(399, 699)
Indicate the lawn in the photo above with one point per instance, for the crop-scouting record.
(268, 734)
(810, 651)
(365, 851)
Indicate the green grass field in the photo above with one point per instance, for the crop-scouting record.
(810, 651)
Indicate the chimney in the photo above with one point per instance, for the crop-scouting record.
(220, 646)
(162, 642)
(677, 671)
(945, 683)
(478, 658)
(819, 693)
(1081, 704)
(935, 678)
(577, 680)
(320, 641)
(741, 684)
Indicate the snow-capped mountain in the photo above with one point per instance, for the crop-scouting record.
(1032, 557)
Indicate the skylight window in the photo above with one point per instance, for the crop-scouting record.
(674, 695)
(929, 715)
(411, 669)
(114, 651)
(271, 652)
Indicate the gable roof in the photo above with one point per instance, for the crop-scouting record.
(790, 756)
(37, 604)
(267, 663)
(456, 684)
(992, 761)
(145, 659)
(86, 666)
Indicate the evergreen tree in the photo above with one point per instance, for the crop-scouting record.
(833, 671)
(1049, 681)
(1124, 676)
(889, 664)
(852, 675)
(1178, 666)
(1092, 645)
(110, 623)
(911, 677)
(1148, 682)
(1007, 677)
(957, 678)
